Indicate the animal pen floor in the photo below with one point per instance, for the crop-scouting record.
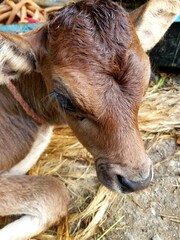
(97, 213)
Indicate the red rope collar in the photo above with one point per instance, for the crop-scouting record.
(12, 88)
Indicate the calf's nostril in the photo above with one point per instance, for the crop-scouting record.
(127, 185)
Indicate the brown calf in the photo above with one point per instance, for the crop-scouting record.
(84, 67)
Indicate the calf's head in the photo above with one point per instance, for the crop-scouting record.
(91, 60)
(101, 71)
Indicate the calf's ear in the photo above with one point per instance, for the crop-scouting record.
(153, 19)
(16, 57)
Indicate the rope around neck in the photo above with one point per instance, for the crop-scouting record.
(16, 94)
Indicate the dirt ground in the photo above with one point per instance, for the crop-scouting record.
(153, 214)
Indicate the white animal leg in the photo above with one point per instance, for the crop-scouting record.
(42, 200)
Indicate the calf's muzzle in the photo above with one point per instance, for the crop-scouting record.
(116, 182)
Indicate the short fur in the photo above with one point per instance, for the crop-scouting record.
(84, 67)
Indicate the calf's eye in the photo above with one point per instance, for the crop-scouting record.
(64, 102)
(67, 105)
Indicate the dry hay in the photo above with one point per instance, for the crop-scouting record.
(67, 160)
(160, 111)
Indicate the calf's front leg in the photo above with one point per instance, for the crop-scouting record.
(41, 200)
